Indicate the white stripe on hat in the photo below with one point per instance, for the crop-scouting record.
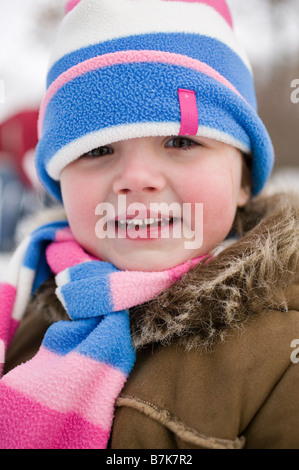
(78, 147)
(123, 18)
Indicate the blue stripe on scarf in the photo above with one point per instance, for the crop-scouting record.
(35, 258)
(88, 293)
(95, 331)
(112, 340)
(101, 339)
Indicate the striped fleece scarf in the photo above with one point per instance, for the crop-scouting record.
(64, 397)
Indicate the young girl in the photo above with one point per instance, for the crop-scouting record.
(162, 313)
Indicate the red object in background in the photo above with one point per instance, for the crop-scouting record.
(18, 134)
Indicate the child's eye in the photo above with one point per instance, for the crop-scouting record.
(99, 152)
(181, 143)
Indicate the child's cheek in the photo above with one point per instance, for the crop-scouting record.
(80, 203)
(219, 217)
(217, 203)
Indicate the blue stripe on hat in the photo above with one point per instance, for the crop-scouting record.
(129, 94)
(147, 93)
(203, 48)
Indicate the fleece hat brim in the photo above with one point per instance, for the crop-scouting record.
(123, 69)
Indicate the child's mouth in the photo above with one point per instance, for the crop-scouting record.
(147, 228)
(145, 223)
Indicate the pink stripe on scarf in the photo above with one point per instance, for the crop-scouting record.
(64, 234)
(74, 431)
(7, 297)
(130, 289)
(122, 58)
(71, 254)
(178, 271)
(61, 259)
(43, 378)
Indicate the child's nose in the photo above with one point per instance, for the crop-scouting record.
(139, 173)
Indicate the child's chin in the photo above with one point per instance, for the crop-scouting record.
(152, 263)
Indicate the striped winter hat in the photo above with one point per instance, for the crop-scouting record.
(134, 68)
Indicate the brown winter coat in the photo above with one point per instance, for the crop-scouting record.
(214, 366)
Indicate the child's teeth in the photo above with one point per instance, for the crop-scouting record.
(144, 221)
(147, 221)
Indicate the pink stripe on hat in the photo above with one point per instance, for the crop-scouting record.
(218, 5)
(70, 4)
(123, 57)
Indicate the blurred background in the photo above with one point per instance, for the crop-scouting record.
(268, 29)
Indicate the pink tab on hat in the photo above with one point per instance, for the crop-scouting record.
(189, 114)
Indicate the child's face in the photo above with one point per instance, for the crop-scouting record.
(180, 172)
